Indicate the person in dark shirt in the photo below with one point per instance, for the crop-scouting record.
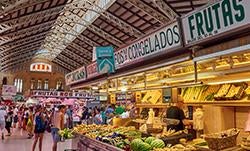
(177, 113)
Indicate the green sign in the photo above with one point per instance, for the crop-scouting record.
(216, 19)
(105, 59)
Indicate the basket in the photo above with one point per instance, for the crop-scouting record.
(223, 140)
(152, 130)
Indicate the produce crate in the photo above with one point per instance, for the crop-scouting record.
(88, 144)
(173, 140)
(216, 142)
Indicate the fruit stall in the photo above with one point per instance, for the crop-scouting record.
(110, 138)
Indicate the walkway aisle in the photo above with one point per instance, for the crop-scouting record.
(16, 142)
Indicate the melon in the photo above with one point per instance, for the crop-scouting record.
(135, 144)
(149, 140)
(157, 143)
(144, 147)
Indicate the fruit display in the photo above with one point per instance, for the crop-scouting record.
(178, 147)
(66, 133)
(209, 92)
(150, 143)
(222, 91)
(192, 94)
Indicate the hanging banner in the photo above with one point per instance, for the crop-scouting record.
(61, 94)
(92, 70)
(9, 90)
(216, 19)
(164, 39)
(76, 76)
(105, 59)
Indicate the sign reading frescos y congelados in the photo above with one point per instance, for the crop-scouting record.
(76, 76)
(215, 19)
(162, 40)
(61, 94)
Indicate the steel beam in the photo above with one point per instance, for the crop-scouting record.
(22, 40)
(58, 61)
(88, 40)
(68, 60)
(95, 29)
(10, 4)
(45, 29)
(24, 57)
(77, 47)
(34, 16)
(26, 31)
(75, 55)
(166, 9)
(149, 11)
(117, 21)
(20, 50)
(25, 4)
(22, 44)
(19, 53)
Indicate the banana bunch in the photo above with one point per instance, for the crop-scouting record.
(168, 133)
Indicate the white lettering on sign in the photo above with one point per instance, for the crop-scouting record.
(215, 19)
(41, 67)
(162, 40)
(76, 76)
(80, 95)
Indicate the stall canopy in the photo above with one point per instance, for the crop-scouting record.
(32, 101)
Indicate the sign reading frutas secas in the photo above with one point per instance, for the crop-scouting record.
(76, 76)
(163, 39)
(215, 19)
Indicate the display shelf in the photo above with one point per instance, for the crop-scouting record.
(220, 103)
(152, 105)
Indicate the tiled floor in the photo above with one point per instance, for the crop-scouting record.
(18, 142)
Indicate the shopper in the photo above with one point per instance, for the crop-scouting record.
(8, 121)
(85, 115)
(25, 118)
(30, 123)
(39, 128)
(15, 117)
(57, 124)
(69, 113)
(3, 115)
(97, 119)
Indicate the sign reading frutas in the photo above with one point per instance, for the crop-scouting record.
(61, 94)
(40, 67)
(105, 59)
(216, 19)
(76, 76)
(162, 40)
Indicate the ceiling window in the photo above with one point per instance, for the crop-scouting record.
(46, 84)
(19, 84)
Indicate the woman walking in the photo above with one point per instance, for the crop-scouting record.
(30, 123)
(8, 121)
(39, 128)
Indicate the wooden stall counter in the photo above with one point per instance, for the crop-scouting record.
(88, 144)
